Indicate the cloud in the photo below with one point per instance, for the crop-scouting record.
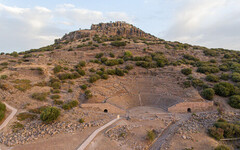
(27, 28)
(212, 23)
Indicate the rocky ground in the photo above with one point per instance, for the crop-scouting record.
(194, 130)
(36, 130)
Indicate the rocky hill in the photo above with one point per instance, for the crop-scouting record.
(89, 76)
(121, 29)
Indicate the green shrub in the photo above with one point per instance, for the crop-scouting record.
(56, 85)
(225, 129)
(127, 54)
(27, 55)
(58, 102)
(111, 55)
(40, 96)
(2, 107)
(146, 64)
(55, 91)
(187, 84)
(50, 114)
(94, 78)
(92, 70)
(38, 110)
(190, 57)
(55, 97)
(105, 76)
(236, 77)
(208, 69)
(151, 135)
(113, 62)
(25, 116)
(57, 69)
(88, 94)
(14, 54)
(208, 93)
(129, 67)
(224, 67)
(99, 55)
(70, 105)
(118, 43)
(210, 52)
(65, 76)
(224, 89)
(213, 61)
(103, 59)
(2, 110)
(2, 115)
(3, 77)
(81, 120)
(212, 78)
(81, 72)
(197, 83)
(222, 147)
(234, 101)
(224, 76)
(186, 71)
(81, 64)
(119, 72)
(70, 90)
(84, 87)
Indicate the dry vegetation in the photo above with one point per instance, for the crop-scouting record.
(49, 84)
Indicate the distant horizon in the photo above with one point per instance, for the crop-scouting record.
(212, 24)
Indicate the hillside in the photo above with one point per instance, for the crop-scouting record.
(116, 68)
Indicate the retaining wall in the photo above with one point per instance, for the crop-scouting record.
(190, 107)
(103, 106)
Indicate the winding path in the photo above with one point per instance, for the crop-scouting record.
(93, 135)
(13, 113)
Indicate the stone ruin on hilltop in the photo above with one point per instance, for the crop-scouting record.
(118, 28)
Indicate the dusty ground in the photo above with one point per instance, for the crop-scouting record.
(199, 141)
(132, 133)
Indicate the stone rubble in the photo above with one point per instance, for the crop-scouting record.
(35, 130)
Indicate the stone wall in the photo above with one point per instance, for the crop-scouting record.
(104, 106)
(190, 107)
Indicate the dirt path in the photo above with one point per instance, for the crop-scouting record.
(167, 133)
(7, 120)
(92, 136)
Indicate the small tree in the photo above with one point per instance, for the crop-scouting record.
(50, 114)
(234, 101)
(212, 78)
(208, 93)
(224, 89)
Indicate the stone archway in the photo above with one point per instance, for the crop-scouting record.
(189, 110)
(105, 110)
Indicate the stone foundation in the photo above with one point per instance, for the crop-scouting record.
(185, 107)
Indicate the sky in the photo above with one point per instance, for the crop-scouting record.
(29, 24)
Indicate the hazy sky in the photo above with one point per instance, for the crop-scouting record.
(26, 24)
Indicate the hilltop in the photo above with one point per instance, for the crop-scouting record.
(89, 76)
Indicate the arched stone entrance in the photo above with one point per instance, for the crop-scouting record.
(105, 110)
(189, 110)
